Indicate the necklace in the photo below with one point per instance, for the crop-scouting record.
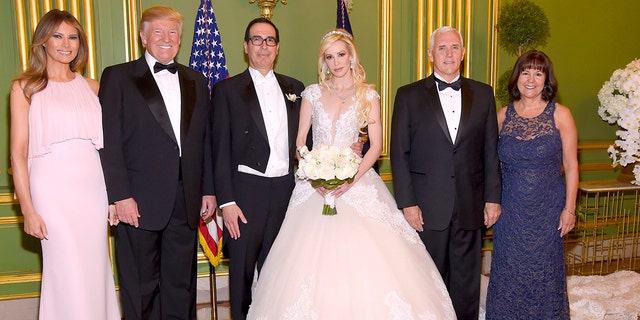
(335, 91)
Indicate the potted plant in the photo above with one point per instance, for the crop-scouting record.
(522, 25)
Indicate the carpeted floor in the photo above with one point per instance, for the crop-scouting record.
(611, 297)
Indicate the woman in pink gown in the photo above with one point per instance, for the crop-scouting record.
(56, 131)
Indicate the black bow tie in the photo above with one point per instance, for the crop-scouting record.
(453, 85)
(171, 67)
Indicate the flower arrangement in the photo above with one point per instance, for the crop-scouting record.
(328, 167)
(620, 104)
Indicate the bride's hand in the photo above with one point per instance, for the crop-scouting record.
(341, 189)
(322, 191)
(336, 192)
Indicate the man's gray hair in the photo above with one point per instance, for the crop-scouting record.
(444, 29)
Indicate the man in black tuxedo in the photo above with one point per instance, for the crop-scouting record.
(445, 166)
(157, 164)
(255, 123)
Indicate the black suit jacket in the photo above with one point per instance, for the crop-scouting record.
(239, 131)
(141, 157)
(434, 172)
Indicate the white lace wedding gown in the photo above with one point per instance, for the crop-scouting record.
(365, 262)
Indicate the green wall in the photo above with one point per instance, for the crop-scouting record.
(589, 40)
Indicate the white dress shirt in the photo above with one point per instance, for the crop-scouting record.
(451, 101)
(274, 113)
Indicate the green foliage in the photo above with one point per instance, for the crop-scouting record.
(502, 90)
(522, 25)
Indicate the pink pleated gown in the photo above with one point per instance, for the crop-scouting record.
(68, 191)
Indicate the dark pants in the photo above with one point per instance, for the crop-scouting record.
(157, 269)
(457, 254)
(263, 202)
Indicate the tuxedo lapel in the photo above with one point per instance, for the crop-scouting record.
(436, 108)
(288, 89)
(467, 101)
(188, 95)
(248, 92)
(147, 86)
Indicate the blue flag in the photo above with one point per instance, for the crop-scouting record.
(343, 17)
(207, 55)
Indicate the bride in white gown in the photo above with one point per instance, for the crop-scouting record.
(365, 262)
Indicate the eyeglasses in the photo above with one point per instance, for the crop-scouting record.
(258, 40)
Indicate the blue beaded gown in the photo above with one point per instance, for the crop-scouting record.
(528, 279)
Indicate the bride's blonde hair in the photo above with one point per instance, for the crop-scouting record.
(362, 105)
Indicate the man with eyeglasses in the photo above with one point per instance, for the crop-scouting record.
(254, 128)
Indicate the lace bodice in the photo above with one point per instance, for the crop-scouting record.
(530, 143)
(344, 131)
(529, 128)
(365, 195)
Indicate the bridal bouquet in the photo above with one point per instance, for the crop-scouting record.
(620, 103)
(328, 167)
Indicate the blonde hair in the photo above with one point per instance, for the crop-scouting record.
(362, 105)
(34, 79)
(160, 13)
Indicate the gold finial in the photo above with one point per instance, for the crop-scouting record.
(266, 6)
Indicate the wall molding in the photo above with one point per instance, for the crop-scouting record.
(455, 13)
(7, 199)
(386, 91)
(28, 15)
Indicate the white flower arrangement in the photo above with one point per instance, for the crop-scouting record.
(329, 167)
(291, 97)
(620, 104)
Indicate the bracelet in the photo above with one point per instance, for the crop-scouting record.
(573, 213)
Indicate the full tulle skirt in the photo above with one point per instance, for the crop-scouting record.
(365, 262)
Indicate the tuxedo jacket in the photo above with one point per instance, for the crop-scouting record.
(239, 131)
(141, 157)
(432, 171)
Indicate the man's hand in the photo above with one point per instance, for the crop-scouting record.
(413, 215)
(358, 146)
(230, 216)
(208, 207)
(491, 213)
(127, 211)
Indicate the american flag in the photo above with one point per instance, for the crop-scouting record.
(207, 55)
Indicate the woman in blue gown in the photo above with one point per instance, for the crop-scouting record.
(538, 138)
